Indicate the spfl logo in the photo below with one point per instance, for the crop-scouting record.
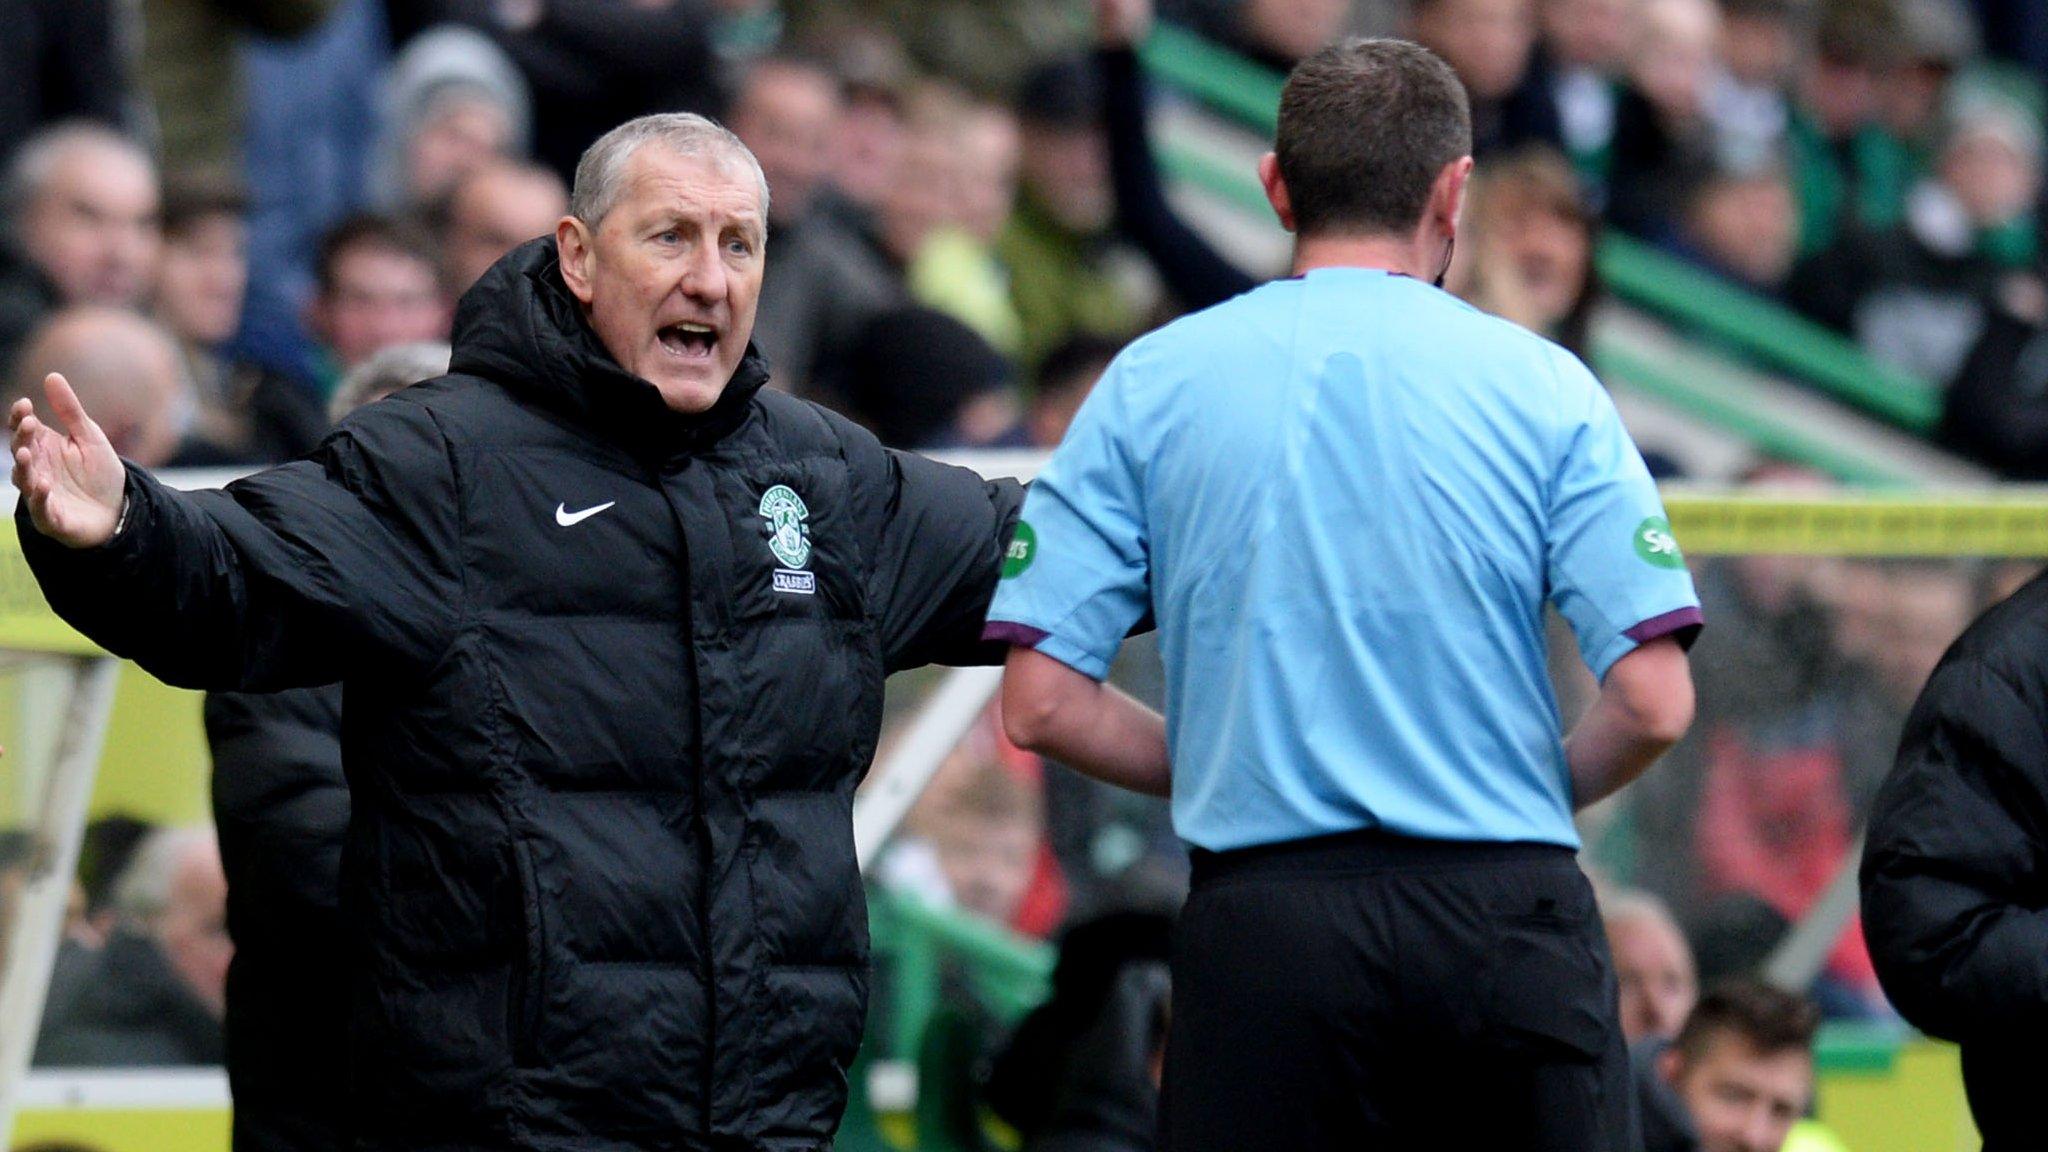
(1656, 546)
(789, 538)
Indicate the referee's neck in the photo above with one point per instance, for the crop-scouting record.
(1405, 255)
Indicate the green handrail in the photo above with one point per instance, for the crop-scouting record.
(1241, 89)
(1711, 306)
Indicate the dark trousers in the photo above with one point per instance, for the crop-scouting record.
(1372, 991)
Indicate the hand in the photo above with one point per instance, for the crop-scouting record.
(1122, 23)
(73, 483)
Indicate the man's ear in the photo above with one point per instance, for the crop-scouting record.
(1276, 189)
(575, 249)
(1447, 199)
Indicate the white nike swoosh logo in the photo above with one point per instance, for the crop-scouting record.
(568, 519)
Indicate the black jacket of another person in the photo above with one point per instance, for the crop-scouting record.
(126, 1008)
(611, 675)
(281, 806)
(1955, 872)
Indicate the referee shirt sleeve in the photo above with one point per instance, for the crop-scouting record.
(1076, 577)
(1614, 569)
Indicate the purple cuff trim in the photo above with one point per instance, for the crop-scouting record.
(1685, 624)
(1020, 635)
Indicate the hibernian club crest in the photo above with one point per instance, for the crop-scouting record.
(788, 538)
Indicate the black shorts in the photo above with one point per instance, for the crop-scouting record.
(1372, 991)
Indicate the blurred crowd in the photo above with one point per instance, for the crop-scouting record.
(229, 223)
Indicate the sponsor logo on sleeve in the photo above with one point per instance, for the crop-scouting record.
(1655, 544)
(1022, 551)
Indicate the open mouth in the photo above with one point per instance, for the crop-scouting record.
(688, 340)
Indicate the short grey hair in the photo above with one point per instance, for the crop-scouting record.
(603, 166)
(37, 157)
(142, 891)
(399, 366)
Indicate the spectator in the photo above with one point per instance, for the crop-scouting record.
(379, 285)
(824, 285)
(61, 62)
(1737, 1078)
(1528, 255)
(453, 103)
(1584, 54)
(1653, 966)
(1919, 294)
(399, 366)
(958, 187)
(1938, 39)
(1194, 272)
(1846, 168)
(592, 64)
(1950, 879)
(866, 147)
(80, 210)
(1491, 45)
(126, 367)
(1742, 223)
(282, 806)
(241, 412)
(189, 71)
(1749, 100)
(1065, 272)
(493, 210)
(1996, 411)
(918, 378)
(1662, 134)
(154, 994)
(1081, 1072)
(1276, 33)
(1065, 378)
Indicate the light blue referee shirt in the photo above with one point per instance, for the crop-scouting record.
(1346, 498)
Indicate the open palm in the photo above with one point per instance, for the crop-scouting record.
(73, 481)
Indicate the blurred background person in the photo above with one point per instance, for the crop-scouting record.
(1583, 56)
(1847, 169)
(493, 210)
(452, 103)
(281, 805)
(128, 367)
(1919, 294)
(1662, 134)
(1490, 44)
(1741, 222)
(242, 413)
(79, 205)
(1276, 33)
(1749, 97)
(1653, 965)
(1527, 246)
(154, 995)
(1067, 273)
(62, 61)
(379, 284)
(824, 283)
(918, 378)
(954, 266)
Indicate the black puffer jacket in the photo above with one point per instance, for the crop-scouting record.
(1955, 874)
(611, 675)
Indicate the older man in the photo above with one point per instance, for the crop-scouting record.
(612, 624)
(80, 212)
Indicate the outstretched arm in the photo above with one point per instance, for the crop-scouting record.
(289, 578)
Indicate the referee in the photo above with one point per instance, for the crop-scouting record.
(1346, 496)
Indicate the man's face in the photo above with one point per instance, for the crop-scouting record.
(1740, 1099)
(787, 117)
(669, 278)
(201, 278)
(493, 213)
(1294, 29)
(455, 139)
(379, 298)
(193, 930)
(92, 228)
(988, 863)
(1487, 42)
(1749, 225)
(1067, 170)
(1590, 33)
(1654, 968)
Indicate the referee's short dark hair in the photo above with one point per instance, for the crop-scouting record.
(1365, 127)
(1769, 1020)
